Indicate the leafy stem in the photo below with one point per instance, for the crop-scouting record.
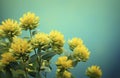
(39, 62)
(24, 67)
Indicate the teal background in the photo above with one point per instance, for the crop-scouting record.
(97, 22)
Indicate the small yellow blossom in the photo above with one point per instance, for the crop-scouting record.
(57, 39)
(10, 28)
(67, 74)
(40, 40)
(74, 43)
(64, 62)
(30, 64)
(7, 58)
(81, 53)
(94, 72)
(63, 74)
(29, 21)
(20, 46)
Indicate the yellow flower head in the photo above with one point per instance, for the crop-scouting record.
(63, 62)
(81, 53)
(7, 58)
(63, 74)
(57, 39)
(29, 21)
(74, 43)
(94, 72)
(40, 40)
(66, 74)
(20, 46)
(10, 28)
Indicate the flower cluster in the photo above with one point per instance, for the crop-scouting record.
(10, 28)
(7, 57)
(40, 40)
(29, 21)
(63, 64)
(57, 41)
(94, 72)
(57, 38)
(81, 53)
(74, 43)
(20, 46)
(64, 74)
(67, 74)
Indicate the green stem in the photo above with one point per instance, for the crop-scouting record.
(10, 37)
(38, 57)
(30, 33)
(45, 75)
(8, 72)
(35, 51)
(24, 64)
(38, 61)
(26, 73)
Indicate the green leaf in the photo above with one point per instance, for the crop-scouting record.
(18, 73)
(2, 74)
(33, 61)
(8, 73)
(38, 75)
(33, 58)
(72, 76)
(75, 63)
(46, 69)
(14, 65)
(4, 46)
(26, 37)
(20, 76)
(34, 32)
(32, 73)
(48, 55)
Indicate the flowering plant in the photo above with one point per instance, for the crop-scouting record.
(25, 57)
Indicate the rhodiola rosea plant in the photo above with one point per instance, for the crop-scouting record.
(30, 56)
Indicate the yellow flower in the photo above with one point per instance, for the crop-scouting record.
(29, 21)
(63, 62)
(10, 28)
(40, 40)
(66, 74)
(7, 58)
(57, 38)
(63, 74)
(20, 46)
(81, 53)
(94, 72)
(74, 43)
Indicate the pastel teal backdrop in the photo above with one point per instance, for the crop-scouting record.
(97, 22)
